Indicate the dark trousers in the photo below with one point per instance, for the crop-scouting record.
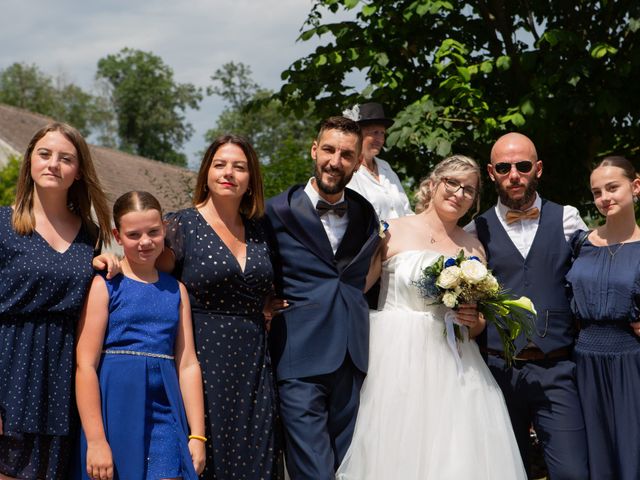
(544, 393)
(319, 415)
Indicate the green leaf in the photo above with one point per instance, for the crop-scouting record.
(423, 8)
(382, 59)
(527, 107)
(518, 120)
(486, 67)
(349, 4)
(551, 37)
(602, 49)
(321, 60)
(444, 147)
(306, 35)
(503, 62)
(352, 54)
(464, 73)
(369, 10)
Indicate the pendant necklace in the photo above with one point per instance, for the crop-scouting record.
(430, 230)
(613, 252)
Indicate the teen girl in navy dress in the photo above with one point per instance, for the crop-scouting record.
(605, 281)
(47, 241)
(129, 395)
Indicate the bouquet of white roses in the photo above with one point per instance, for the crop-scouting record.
(453, 281)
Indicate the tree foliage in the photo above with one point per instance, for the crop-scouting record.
(8, 180)
(25, 86)
(149, 104)
(281, 140)
(458, 74)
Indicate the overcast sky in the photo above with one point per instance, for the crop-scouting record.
(194, 38)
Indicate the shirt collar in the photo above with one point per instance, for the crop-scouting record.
(502, 209)
(315, 196)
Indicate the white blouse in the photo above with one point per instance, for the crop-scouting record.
(385, 194)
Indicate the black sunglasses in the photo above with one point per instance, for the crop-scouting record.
(503, 168)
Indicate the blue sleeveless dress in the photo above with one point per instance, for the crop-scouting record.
(605, 284)
(142, 409)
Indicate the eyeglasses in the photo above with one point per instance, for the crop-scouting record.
(452, 186)
(503, 168)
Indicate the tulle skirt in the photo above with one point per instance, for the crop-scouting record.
(421, 418)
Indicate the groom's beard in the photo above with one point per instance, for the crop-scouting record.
(337, 187)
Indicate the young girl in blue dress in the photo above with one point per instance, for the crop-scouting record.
(605, 282)
(136, 362)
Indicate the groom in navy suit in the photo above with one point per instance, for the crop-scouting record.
(325, 238)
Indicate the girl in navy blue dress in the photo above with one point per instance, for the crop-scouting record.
(605, 281)
(47, 242)
(134, 333)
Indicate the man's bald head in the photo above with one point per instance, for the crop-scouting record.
(514, 142)
(515, 170)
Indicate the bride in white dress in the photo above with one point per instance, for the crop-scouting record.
(419, 417)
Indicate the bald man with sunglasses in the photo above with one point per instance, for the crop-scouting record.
(526, 241)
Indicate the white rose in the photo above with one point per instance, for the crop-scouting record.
(491, 284)
(450, 299)
(449, 277)
(473, 271)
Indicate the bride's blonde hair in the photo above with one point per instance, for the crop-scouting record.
(448, 166)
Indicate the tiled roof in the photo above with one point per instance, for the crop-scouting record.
(119, 172)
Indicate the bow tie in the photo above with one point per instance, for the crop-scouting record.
(323, 207)
(515, 215)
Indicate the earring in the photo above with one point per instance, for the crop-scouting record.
(249, 192)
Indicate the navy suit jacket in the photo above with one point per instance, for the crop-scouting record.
(328, 315)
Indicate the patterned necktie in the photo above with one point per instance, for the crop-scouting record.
(323, 207)
(515, 215)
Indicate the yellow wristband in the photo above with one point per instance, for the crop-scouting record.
(197, 437)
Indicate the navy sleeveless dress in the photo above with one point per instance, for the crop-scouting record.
(41, 294)
(230, 337)
(605, 284)
(142, 409)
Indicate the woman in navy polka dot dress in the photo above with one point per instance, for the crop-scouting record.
(219, 251)
(47, 241)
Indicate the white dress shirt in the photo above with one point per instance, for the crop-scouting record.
(385, 193)
(334, 225)
(522, 232)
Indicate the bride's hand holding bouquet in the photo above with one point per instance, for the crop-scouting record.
(462, 281)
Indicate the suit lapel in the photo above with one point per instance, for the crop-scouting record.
(360, 233)
(354, 236)
(302, 221)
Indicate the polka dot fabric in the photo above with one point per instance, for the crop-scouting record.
(231, 343)
(41, 294)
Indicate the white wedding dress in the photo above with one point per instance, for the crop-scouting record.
(418, 418)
